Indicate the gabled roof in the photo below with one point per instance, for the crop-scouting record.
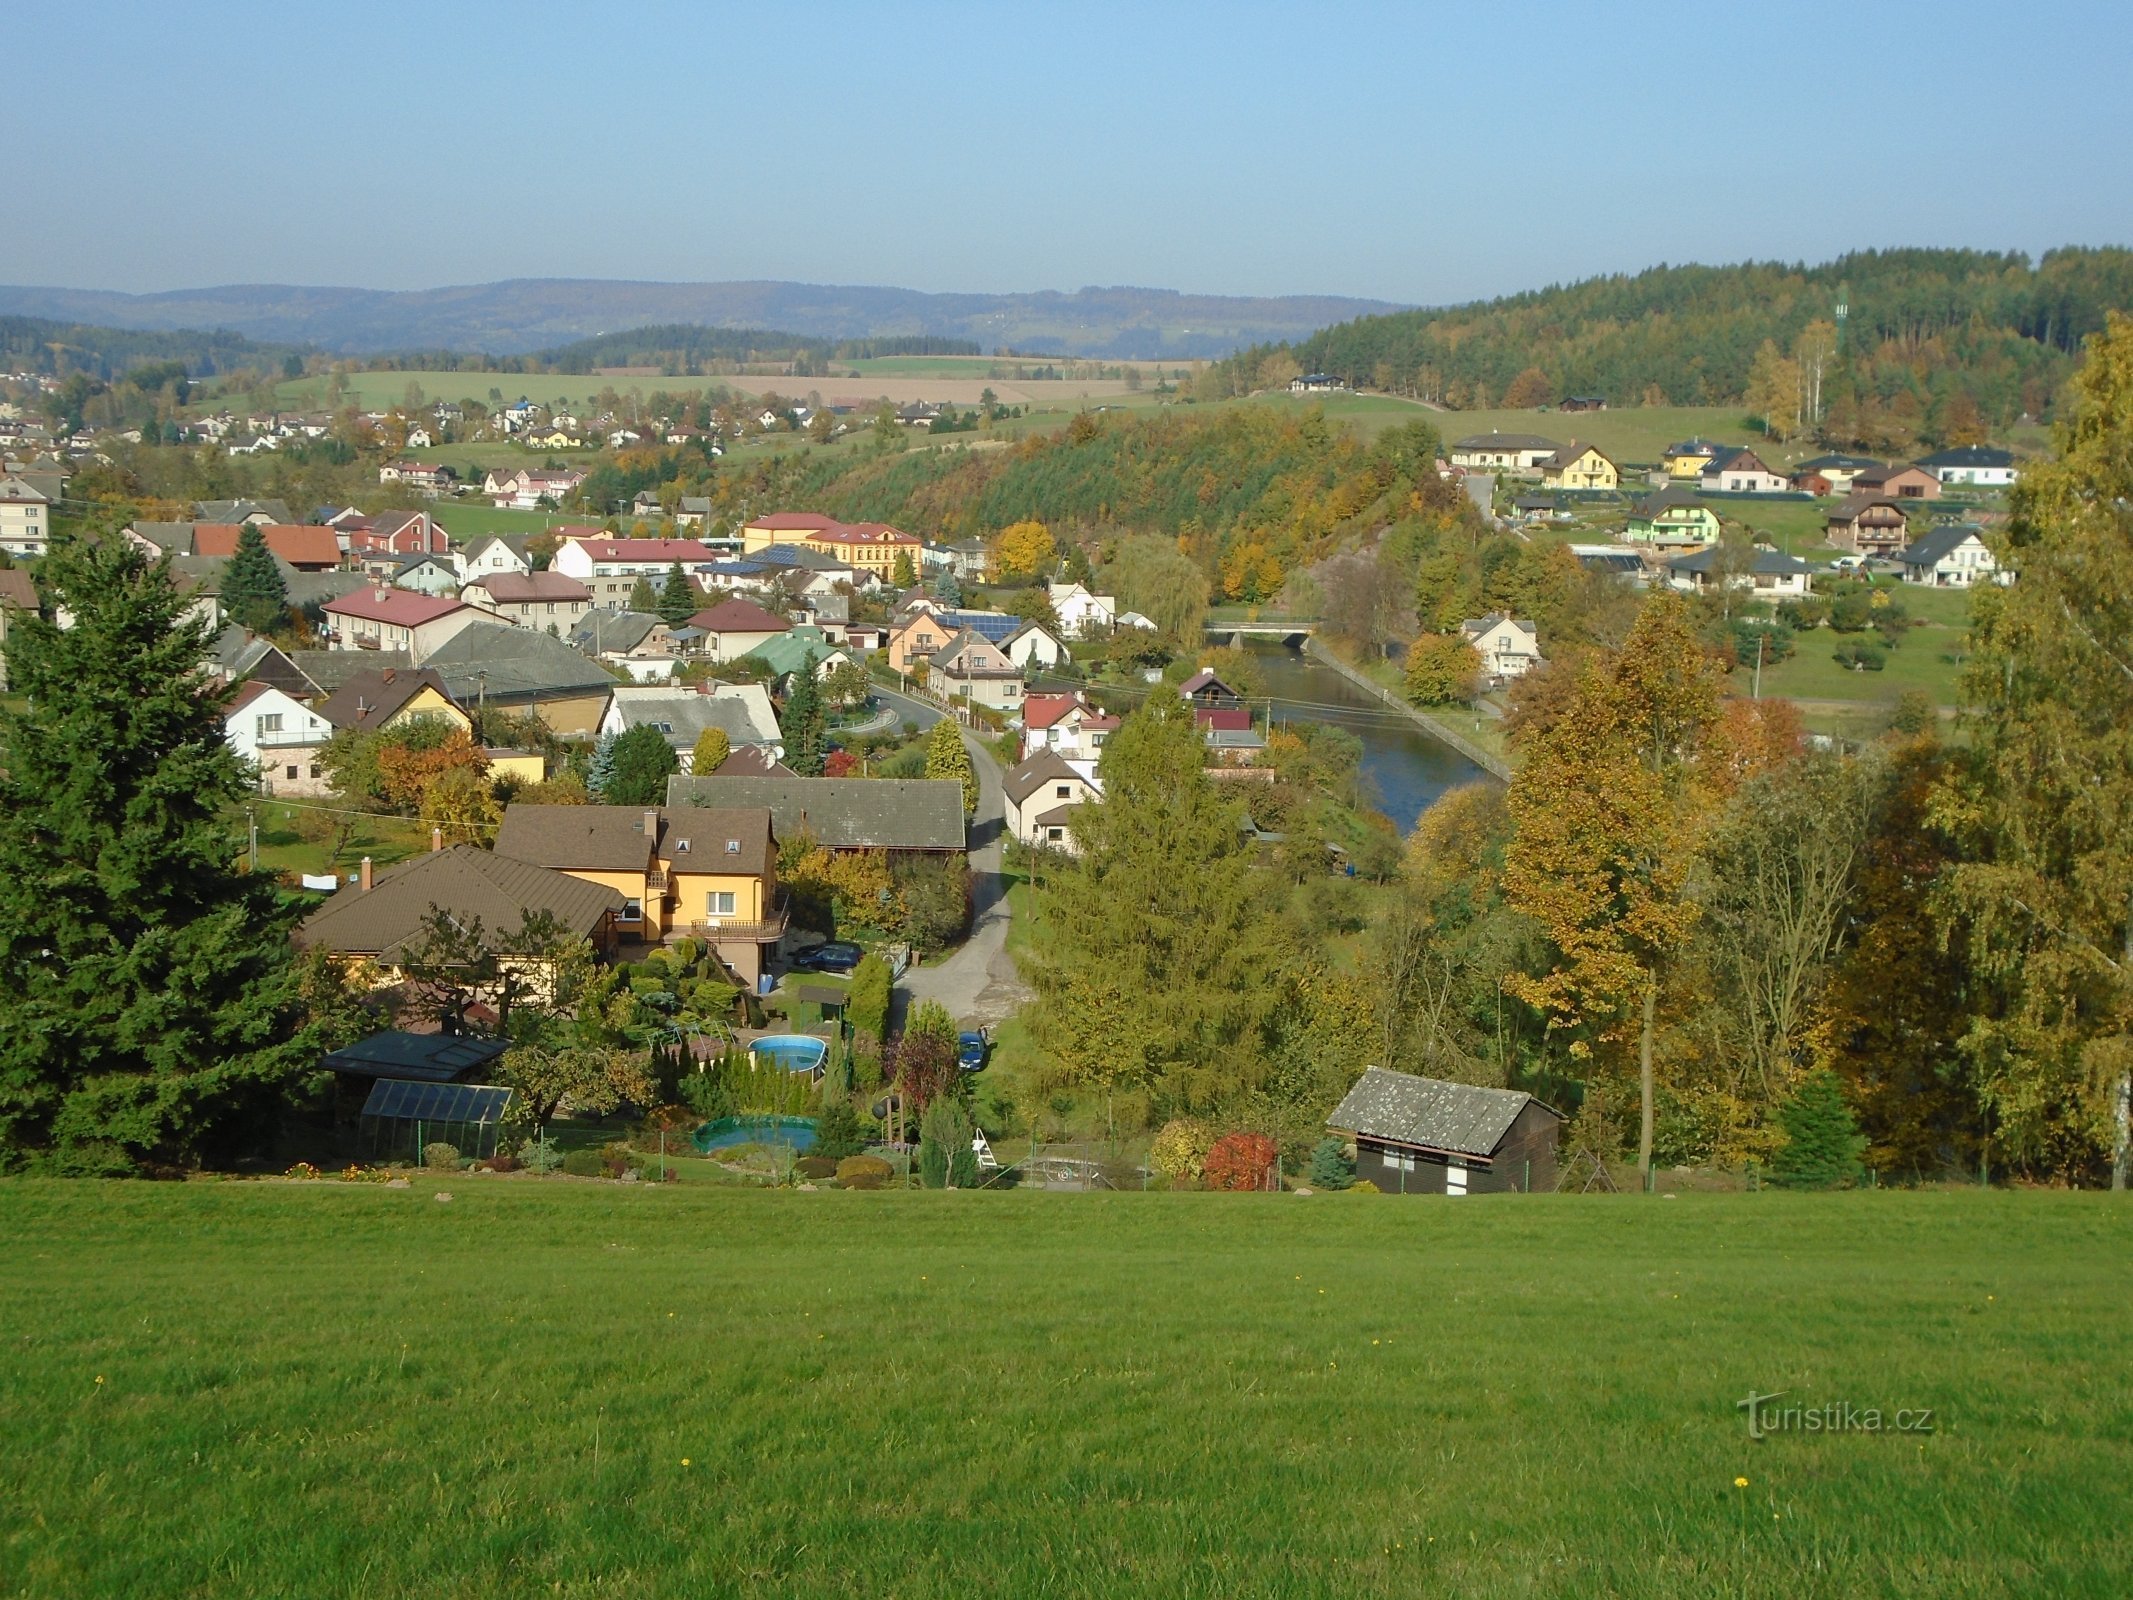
(1203, 680)
(793, 522)
(842, 813)
(1575, 449)
(1674, 498)
(17, 590)
(612, 838)
(687, 551)
(522, 588)
(1729, 458)
(514, 663)
(618, 632)
(789, 649)
(684, 716)
(401, 607)
(467, 883)
(738, 616)
(1429, 1113)
(1042, 710)
(1046, 766)
(1838, 462)
(1505, 441)
(1968, 455)
(1497, 619)
(1767, 563)
(753, 761)
(1931, 545)
(241, 510)
(1698, 446)
(1864, 500)
(970, 653)
(367, 701)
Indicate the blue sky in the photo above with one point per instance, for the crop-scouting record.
(1420, 153)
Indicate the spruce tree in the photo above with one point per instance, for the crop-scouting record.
(639, 763)
(644, 599)
(148, 996)
(947, 757)
(804, 721)
(253, 593)
(678, 598)
(602, 770)
(1822, 1138)
(712, 748)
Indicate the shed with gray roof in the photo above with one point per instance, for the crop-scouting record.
(1417, 1135)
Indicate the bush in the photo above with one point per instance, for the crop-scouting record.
(838, 1133)
(503, 1163)
(1861, 656)
(1331, 1166)
(1914, 713)
(864, 1172)
(1241, 1161)
(1852, 611)
(1364, 1186)
(1180, 1150)
(539, 1156)
(441, 1157)
(585, 1164)
(815, 1168)
(1775, 639)
(1822, 1138)
(1809, 611)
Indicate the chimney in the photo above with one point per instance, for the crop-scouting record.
(651, 827)
(436, 840)
(363, 876)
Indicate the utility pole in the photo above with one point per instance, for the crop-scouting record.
(1758, 694)
(251, 823)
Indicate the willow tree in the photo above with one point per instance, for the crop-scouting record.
(1604, 813)
(2041, 802)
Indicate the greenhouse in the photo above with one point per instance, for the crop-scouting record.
(402, 1117)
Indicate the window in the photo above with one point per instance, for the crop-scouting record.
(270, 722)
(1400, 1160)
(733, 847)
(314, 769)
(1060, 791)
(719, 903)
(1054, 835)
(632, 910)
(290, 773)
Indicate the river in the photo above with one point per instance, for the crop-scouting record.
(1406, 769)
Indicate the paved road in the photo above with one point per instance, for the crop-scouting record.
(977, 983)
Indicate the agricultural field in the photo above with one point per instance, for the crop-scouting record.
(556, 1387)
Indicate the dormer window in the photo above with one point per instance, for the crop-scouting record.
(733, 847)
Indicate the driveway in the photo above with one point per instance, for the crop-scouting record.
(978, 982)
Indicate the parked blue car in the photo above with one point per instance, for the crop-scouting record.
(971, 1051)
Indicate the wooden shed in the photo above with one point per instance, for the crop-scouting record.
(1426, 1136)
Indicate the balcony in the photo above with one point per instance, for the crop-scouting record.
(736, 930)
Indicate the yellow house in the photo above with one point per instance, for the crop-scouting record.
(1580, 466)
(695, 872)
(1688, 458)
(783, 527)
(554, 439)
(522, 767)
(368, 702)
(869, 548)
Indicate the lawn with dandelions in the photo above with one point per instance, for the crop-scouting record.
(225, 1389)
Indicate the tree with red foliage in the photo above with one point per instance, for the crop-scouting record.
(1242, 1161)
(839, 764)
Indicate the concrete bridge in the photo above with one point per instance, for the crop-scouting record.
(1290, 631)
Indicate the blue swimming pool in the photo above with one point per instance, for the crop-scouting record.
(796, 1133)
(795, 1052)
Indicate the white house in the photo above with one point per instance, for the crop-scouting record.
(1772, 576)
(1976, 464)
(1082, 615)
(434, 575)
(491, 554)
(396, 619)
(742, 711)
(1742, 471)
(1950, 558)
(1033, 646)
(1509, 646)
(280, 737)
(25, 525)
(1066, 724)
(1041, 792)
(551, 601)
(1519, 453)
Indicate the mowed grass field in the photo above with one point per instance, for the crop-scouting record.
(622, 1390)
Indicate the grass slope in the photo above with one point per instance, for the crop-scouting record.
(628, 1390)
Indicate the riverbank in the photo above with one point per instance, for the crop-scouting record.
(1437, 728)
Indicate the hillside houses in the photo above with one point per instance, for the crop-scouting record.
(1739, 470)
(1518, 454)
(1974, 465)
(25, 518)
(1580, 466)
(551, 600)
(384, 618)
(1951, 557)
(1868, 524)
(1673, 515)
(1509, 646)
(1039, 794)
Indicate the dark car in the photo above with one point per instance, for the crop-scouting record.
(835, 957)
(971, 1050)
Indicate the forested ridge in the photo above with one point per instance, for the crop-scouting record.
(33, 344)
(1921, 323)
(686, 348)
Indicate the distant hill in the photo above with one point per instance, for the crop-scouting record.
(33, 344)
(527, 315)
(1990, 336)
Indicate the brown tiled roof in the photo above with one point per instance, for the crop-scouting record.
(842, 813)
(513, 588)
(1046, 766)
(467, 882)
(17, 590)
(369, 700)
(738, 616)
(611, 838)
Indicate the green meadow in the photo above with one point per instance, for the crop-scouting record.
(575, 1388)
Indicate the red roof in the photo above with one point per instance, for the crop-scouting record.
(861, 533)
(246, 694)
(1042, 710)
(299, 544)
(738, 616)
(402, 607)
(1223, 718)
(794, 522)
(611, 549)
(516, 588)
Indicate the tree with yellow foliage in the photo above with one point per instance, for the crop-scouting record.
(1023, 550)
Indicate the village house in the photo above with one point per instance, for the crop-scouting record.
(268, 510)
(784, 655)
(589, 554)
(492, 663)
(1831, 474)
(916, 639)
(899, 816)
(782, 527)
(552, 601)
(1671, 516)
(430, 477)
(707, 873)
(1040, 792)
(1519, 454)
(1509, 646)
(1977, 465)
(25, 513)
(1950, 557)
(1065, 723)
(527, 488)
(1033, 647)
(1771, 574)
(870, 549)
(377, 922)
(280, 738)
(1417, 1135)
(1898, 483)
(1868, 525)
(432, 575)
(741, 711)
(637, 641)
(971, 668)
(1739, 470)
(395, 619)
(493, 553)
(732, 628)
(1082, 615)
(1580, 466)
(391, 697)
(1689, 458)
